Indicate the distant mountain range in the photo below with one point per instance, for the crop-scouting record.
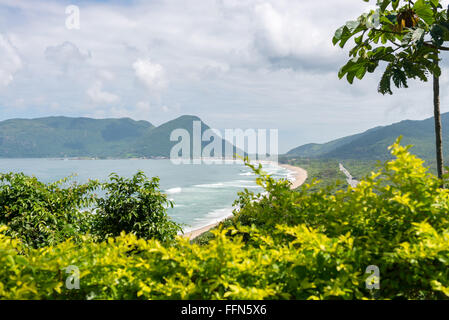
(55, 137)
(372, 144)
(58, 137)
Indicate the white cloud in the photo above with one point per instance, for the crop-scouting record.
(66, 55)
(143, 107)
(97, 94)
(151, 74)
(234, 63)
(106, 75)
(10, 61)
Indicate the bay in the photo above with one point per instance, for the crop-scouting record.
(203, 194)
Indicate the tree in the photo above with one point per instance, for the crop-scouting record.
(404, 36)
(134, 205)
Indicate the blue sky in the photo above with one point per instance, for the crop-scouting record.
(234, 63)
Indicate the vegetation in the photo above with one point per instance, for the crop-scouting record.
(40, 214)
(327, 171)
(205, 237)
(85, 137)
(373, 144)
(405, 35)
(282, 244)
(134, 205)
(70, 137)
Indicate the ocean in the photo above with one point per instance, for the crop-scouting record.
(202, 194)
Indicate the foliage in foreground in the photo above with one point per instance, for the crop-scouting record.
(405, 35)
(134, 205)
(41, 214)
(283, 245)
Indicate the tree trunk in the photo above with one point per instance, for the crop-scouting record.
(437, 116)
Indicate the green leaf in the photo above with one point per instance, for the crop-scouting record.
(337, 35)
(424, 10)
(361, 72)
(435, 3)
(395, 4)
(352, 25)
(417, 35)
(383, 4)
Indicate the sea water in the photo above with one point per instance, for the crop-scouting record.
(202, 194)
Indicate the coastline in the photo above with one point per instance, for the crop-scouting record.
(300, 176)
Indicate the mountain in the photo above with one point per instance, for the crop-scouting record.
(157, 143)
(86, 137)
(372, 144)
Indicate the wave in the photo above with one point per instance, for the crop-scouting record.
(210, 185)
(174, 190)
(211, 217)
(243, 179)
(229, 184)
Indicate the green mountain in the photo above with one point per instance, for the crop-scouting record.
(372, 144)
(86, 137)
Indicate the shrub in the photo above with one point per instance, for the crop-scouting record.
(42, 214)
(383, 215)
(283, 245)
(134, 205)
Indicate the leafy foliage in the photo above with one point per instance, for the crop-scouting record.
(382, 215)
(328, 174)
(136, 206)
(42, 214)
(282, 245)
(405, 35)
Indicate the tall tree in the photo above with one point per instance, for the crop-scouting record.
(404, 36)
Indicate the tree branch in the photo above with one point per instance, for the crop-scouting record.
(427, 44)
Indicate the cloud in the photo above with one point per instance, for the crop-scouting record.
(143, 107)
(97, 94)
(10, 61)
(66, 54)
(152, 75)
(295, 36)
(234, 63)
(106, 75)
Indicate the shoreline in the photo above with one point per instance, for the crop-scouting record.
(300, 176)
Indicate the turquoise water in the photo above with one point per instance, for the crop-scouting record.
(203, 194)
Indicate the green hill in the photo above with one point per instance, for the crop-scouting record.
(86, 137)
(372, 144)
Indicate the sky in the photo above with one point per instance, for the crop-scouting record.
(261, 64)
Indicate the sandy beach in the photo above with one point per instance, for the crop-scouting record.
(195, 233)
(300, 176)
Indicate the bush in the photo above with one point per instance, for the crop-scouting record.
(43, 214)
(386, 213)
(134, 205)
(283, 245)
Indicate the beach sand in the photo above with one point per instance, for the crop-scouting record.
(300, 176)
